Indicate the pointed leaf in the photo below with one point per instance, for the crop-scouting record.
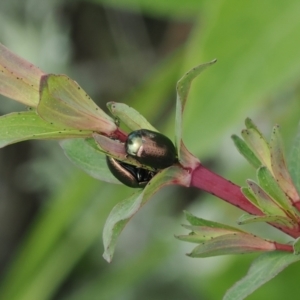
(269, 184)
(183, 87)
(265, 202)
(19, 79)
(279, 166)
(258, 145)
(247, 218)
(129, 116)
(22, 126)
(88, 158)
(263, 269)
(64, 103)
(201, 234)
(125, 210)
(249, 195)
(246, 151)
(235, 243)
(195, 221)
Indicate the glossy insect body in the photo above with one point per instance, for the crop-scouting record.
(129, 175)
(151, 148)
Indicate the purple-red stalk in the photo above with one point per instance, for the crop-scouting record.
(283, 247)
(120, 135)
(218, 186)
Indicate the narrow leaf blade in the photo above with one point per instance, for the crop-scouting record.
(126, 209)
(263, 269)
(183, 87)
(264, 201)
(64, 103)
(21, 126)
(19, 79)
(279, 166)
(129, 116)
(235, 243)
(195, 221)
(244, 149)
(247, 218)
(270, 185)
(88, 159)
(258, 144)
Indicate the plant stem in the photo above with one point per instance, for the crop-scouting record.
(284, 247)
(120, 135)
(218, 186)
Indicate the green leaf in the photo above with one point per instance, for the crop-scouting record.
(270, 185)
(279, 166)
(195, 221)
(234, 243)
(247, 218)
(264, 201)
(129, 116)
(258, 144)
(126, 209)
(249, 195)
(183, 87)
(22, 126)
(19, 79)
(294, 161)
(246, 151)
(88, 158)
(201, 233)
(263, 268)
(64, 103)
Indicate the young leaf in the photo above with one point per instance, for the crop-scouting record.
(195, 221)
(244, 149)
(270, 185)
(64, 103)
(247, 218)
(200, 234)
(129, 116)
(263, 268)
(183, 87)
(257, 143)
(88, 158)
(234, 243)
(279, 166)
(22, 126)
(125, 210)
(249, 195)
(19, 79)
(264, 201)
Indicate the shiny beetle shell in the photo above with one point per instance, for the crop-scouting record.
(151, 148)
(129, 175)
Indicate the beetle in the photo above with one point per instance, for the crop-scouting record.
(129, 175)
(151, 148)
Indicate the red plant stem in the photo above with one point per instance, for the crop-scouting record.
(283, 247)
(120, 135)
(218, 186)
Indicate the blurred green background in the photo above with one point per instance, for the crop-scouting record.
(134, 51)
